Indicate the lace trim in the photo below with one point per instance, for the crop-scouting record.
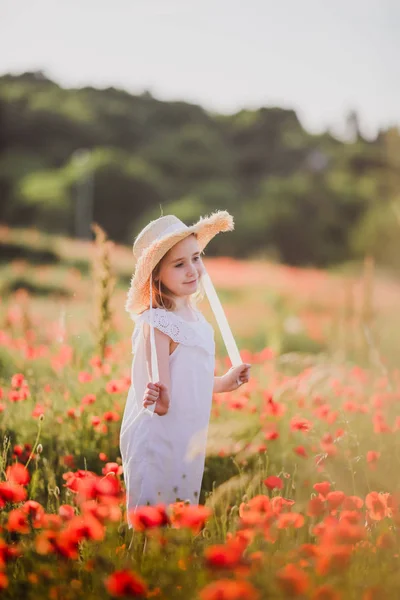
(179, 330)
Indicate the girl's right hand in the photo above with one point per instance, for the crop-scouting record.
(157, 393)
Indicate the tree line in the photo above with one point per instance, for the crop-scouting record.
(69, 156)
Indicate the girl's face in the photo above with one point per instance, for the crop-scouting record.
(182, 267)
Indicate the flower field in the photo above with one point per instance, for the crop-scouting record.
(301, 490)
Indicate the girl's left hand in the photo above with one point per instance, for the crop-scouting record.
(236, 376)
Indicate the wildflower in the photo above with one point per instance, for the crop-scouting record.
(273, 483)
(111, 416)
(227, 555)
(300, 424)
(113, 387)
(88, 399)
(316, 507)
(18, 474)
(271, 435)
(227, 589)
(322, 488)
(84, 377)
(112, 467)
(352, 503)
(334, 559)
(87, 527)
(38, 410)
(292, 580)
(148, 517)
(372, 459)
(66, 512)
(17, 521)
(335, 499)
(376, 505)
(125, 583)
(17, 380)
(191, 516)
(300, 451)
(11, 492)
(295, 520)
(35, 511)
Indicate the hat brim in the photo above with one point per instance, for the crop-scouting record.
(206, 228)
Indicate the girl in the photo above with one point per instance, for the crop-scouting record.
(164, 428)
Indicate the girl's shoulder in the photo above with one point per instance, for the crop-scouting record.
(181, 331)
(162, 314)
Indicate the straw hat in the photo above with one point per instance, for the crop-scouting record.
(154, 241)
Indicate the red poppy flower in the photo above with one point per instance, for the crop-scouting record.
(113, 387)
(3, 581)
(300, 424)
(334, 560)
(88, 399)
(66, 512)
(111, 416)
(316, 507)
(112, 467)
(300, 450)
(322, 488)
(11, 492)
(125, 583)
(372, 458)
(57, 542)
(17, 380)
(226, 589)
(227, 555)
(273, 482)
(191, 516)
(14, 396)
(18, 521)
(274, 409)
(7, 553)
(352, 503)
(148, 517)
(295, 520)
(18, 474)
(376, 505)
(84, 377)
(271, 435)
(292, 580)
(35, 511)
(85, 527)
(335, 499)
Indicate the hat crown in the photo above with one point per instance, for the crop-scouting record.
(154, 231)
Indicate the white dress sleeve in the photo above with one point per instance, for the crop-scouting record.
(179, 330)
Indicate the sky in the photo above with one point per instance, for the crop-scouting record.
(321, 59)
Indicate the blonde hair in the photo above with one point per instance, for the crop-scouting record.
(163, 297)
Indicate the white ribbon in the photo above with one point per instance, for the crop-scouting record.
(222, 321)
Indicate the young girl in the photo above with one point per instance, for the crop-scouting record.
(164, 428)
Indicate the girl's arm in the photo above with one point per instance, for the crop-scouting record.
(218, 385)
(232, 379)
(157, 392)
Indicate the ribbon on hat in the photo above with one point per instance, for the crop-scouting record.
(223, 325)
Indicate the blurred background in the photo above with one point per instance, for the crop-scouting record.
(287, 115)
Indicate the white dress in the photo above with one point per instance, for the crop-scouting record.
(163, 456)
